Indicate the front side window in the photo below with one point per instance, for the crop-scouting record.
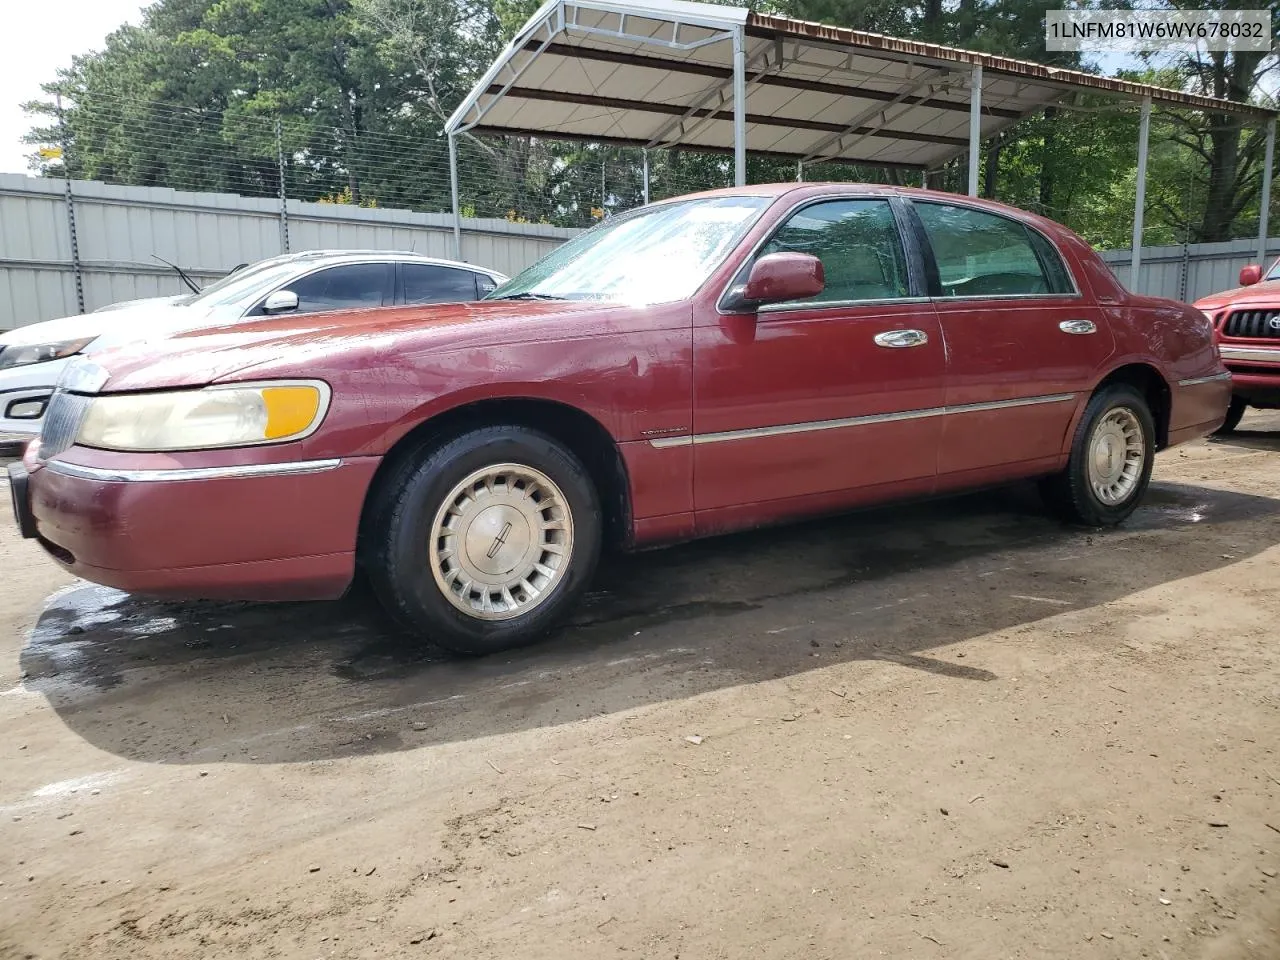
(429, 283)
(981, 254)
(346, 287)
(1274, 272)
(658, 254)
(243, 287)
(859, 246)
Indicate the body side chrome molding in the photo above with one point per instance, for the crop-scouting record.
(754, 433)
(191, 473)
(1195, 381)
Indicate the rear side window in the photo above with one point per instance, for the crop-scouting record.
(858, 244)
(429, 283)
(981, 254)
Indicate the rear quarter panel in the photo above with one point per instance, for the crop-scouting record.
(1178, 340)
(1174, 338)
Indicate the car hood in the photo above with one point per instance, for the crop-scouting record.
(300, 345)
(130, 304)
(145, 320)
(1267, 292)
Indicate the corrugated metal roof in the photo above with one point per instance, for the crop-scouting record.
(660, 74)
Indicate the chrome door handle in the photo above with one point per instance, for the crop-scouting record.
(1078, 326)
(902, 338)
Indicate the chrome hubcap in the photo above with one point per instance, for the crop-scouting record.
(1117, 451)
(501, 541)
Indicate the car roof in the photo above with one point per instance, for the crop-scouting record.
(341, 256)
(817, 189)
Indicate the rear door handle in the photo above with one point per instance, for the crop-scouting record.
(1078, 326)
(902, 338)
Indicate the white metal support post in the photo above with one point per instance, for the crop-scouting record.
(645, 154)
(1140, 202)
(975, 127)
(1264, 211)
(457, 206)
(739, 108)
(799, 171)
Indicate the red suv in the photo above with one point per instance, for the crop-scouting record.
(1247, 322)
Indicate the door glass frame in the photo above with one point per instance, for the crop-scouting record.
(917, 277)
(388, 289)
(935, 276)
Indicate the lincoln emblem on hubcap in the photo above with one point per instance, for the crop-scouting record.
(501, 541)
(1117, 451)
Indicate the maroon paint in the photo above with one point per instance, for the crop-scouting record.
(1254, 379)
(785, 276)
(640, 373)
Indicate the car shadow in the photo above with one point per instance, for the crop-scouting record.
(1268, 440)
(271, 683)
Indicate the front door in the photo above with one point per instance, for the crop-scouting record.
(1024, 344)
(808, 404)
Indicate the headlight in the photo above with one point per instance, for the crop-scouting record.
(235, 415)
(20, 356)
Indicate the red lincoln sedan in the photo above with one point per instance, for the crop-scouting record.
(706, 364)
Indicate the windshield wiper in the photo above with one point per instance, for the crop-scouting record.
(191, 284)
(527, 296)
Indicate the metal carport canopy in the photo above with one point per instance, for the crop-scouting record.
(674, 73)
(661, 73)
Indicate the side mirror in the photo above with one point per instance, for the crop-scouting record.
(282, 301)
(778, 277)
(1250, 275)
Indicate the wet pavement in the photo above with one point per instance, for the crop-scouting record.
(269, 683)
(941, 730)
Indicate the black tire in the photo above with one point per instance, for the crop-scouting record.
(396, 542)
(1070, 493)
(1234, 414)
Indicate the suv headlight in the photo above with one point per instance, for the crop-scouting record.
(231, 415)
(20, 355)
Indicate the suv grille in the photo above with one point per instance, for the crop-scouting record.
(62, 422)
(1253, 323)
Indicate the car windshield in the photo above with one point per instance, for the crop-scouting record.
(246, 284)
(657, 254)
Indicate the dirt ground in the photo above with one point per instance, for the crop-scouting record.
(953, 730)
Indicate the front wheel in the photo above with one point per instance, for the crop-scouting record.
(1110, 463)
(486, 541)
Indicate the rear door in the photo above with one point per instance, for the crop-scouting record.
(434, 283)
(821, 397)
(1023, 340)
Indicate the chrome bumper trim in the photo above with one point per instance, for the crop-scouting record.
(1195, 381)
(1265, 354)
(190, 473)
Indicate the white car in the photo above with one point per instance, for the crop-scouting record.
(32, 357)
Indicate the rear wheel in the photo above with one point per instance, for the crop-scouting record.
(485, 541)
(1234, 414)
(1110, 463)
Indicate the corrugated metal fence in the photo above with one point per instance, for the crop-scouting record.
(119, 228)
(1192, 271)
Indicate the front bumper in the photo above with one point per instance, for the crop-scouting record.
(22, 410)
(1255, 371)
(265, 531)
(21, 501)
